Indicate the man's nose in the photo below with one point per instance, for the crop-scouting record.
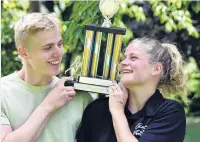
(58, 51)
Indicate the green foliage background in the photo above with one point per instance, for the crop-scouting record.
(172, 16)
(175, 19)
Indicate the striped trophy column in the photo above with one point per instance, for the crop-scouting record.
(87, 53)
(95, 58)
(108, 56)
(115, 56)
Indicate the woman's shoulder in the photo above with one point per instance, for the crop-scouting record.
(171, 108)
(172, 104)
(99, 102)
(98, 105)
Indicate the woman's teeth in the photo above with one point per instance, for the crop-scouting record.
(127, 71)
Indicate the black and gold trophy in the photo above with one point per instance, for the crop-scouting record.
(89, 80)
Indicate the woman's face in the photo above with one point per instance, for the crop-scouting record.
(135, 68)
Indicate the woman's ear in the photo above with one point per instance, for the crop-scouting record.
(157, 69)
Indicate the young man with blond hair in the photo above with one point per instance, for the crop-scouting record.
(35, 104)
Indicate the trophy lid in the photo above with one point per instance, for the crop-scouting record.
(108, 8)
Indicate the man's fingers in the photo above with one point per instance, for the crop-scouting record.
(70, 98)
(71, 93)
(68, 93)
(69, 88)
(64, 79)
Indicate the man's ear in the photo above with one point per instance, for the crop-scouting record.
(22, 52)
(157, 69)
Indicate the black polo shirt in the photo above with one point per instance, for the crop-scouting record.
(160, 120)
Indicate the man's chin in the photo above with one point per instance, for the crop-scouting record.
(55, 73)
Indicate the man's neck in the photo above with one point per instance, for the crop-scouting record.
(34, 78)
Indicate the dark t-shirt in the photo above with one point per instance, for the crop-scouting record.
(160, 120)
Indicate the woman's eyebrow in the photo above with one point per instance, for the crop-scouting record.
(131, 54)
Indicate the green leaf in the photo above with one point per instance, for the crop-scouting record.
(168, 27)
(196, 6)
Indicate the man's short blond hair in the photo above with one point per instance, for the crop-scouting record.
(33, 23)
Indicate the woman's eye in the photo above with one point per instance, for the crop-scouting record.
(133, 58)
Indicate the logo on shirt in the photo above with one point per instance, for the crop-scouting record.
(139, 129)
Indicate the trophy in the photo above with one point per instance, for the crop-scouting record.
(89, 80)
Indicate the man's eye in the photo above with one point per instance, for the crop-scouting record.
(48, 48)
(60, 44)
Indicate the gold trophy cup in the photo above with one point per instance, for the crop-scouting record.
(89, 80)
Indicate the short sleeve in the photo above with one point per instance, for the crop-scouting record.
(167, 126)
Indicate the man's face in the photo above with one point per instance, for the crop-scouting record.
(44, 52)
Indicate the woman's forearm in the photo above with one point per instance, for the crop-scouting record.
(121, 128)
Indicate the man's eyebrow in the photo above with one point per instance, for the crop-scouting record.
(50, 44)
(60, 40)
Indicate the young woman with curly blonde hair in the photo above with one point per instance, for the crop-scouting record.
(136, 110)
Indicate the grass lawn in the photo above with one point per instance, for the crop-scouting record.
(192, 133)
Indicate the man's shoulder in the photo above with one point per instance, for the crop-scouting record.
(7, 84)
(8, 80)
(9, 77)
(83, 95)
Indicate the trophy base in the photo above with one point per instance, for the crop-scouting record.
(91, 88)
(91, 85)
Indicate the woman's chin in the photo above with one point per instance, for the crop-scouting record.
(125, 82)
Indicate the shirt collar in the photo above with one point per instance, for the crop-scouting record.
(149, 108)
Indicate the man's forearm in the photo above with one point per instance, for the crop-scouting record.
(30, 130)
(122, 129)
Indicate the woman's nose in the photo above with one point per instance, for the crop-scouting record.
(124, 62)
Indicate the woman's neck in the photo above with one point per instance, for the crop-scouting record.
(138, 96)
(33, 78)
